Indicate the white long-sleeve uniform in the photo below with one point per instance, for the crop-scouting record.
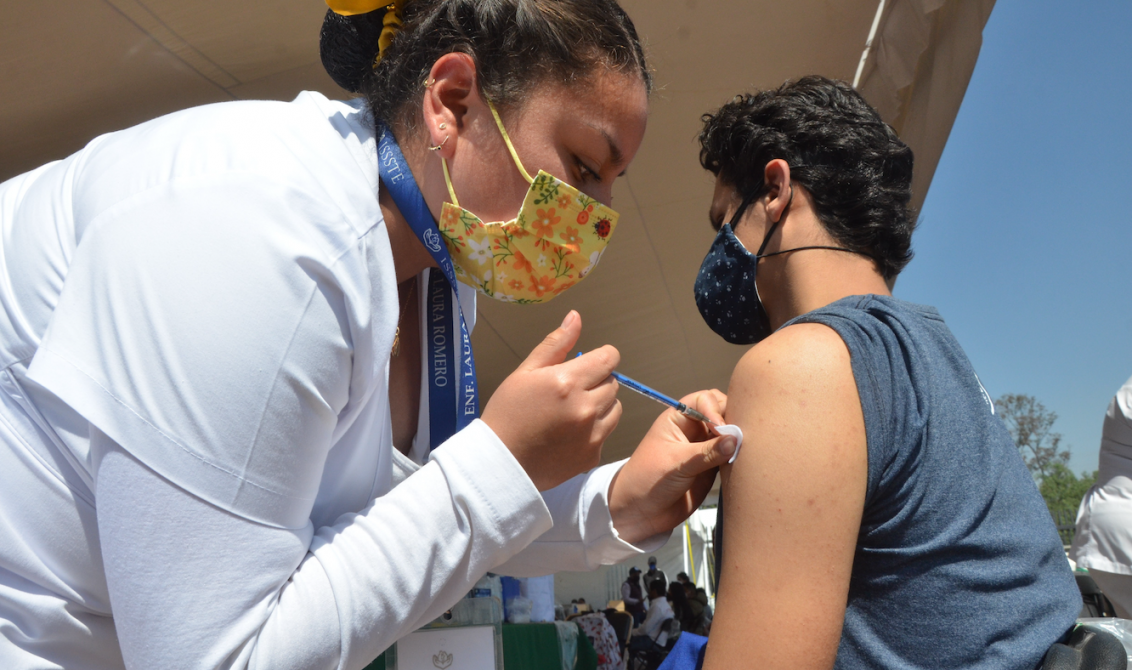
(196, 461)
(1104, 521)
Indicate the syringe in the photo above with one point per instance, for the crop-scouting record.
(647, 392)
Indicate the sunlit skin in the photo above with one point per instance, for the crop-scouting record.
(797, 488)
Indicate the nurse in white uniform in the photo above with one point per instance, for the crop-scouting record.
(228, 333)
(1103, 542)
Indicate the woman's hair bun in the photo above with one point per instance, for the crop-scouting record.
(348, 46)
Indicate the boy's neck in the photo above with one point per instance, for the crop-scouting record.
(812, 279)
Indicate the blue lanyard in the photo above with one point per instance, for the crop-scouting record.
(452, 396)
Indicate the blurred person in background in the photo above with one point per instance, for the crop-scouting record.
(633, 595)
(1103, 542)
(655, 574)
(697, 600)
(678, 599)
(647, 635)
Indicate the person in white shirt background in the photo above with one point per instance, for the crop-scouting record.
(648, 634)
(1103, 541)
(221, 443)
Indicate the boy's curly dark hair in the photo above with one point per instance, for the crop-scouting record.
(857, 171)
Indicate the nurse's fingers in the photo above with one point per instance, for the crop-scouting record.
(594, 367)
(712, 404)
(557, 345)
(604, 395)
(607, 422)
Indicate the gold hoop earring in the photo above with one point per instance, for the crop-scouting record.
(429, 83)
(437, 147)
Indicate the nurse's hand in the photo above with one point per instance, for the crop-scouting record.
(554, 414)
(671, 471)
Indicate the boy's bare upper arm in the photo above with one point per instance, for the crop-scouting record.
(793, 502)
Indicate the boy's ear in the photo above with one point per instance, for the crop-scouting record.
(776, 176)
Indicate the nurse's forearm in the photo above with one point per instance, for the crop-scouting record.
(583, 536)
(418, 549)
(193, 585)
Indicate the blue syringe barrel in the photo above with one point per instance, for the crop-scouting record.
(635, 385)
(646, 391)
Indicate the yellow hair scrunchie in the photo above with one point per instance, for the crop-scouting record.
(391, 22)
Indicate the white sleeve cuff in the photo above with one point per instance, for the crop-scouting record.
(609, 545)
(583, 536)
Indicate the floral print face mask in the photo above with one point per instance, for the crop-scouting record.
(553, 243)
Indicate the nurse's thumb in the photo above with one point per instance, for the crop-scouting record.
(713, 453)
(557, 345)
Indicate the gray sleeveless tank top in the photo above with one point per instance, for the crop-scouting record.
(958, 563)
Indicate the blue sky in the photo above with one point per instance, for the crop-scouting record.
(1026, 234)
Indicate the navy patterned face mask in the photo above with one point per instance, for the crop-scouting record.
(726, 292)
(725, 287)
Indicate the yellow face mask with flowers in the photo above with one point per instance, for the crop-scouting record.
(555, 241)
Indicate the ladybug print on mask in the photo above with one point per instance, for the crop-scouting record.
(602, 228)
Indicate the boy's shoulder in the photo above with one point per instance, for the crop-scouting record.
(790, 356)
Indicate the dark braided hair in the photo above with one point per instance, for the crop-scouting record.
(516, 45)
(857, 171)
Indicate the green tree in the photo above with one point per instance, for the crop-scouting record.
(1031, 426)
(1062, 490)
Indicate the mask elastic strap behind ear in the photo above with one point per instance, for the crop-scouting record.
(760, 253)
(448, 181)
(774, 226)
(510, 147)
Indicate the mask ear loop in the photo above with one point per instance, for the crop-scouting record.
(448, 182)
(762, 248)
(740, 212)
(774, 226)
(761, 255)
(510, 147)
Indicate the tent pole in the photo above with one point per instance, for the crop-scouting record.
(688, 553)
(868, 44)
